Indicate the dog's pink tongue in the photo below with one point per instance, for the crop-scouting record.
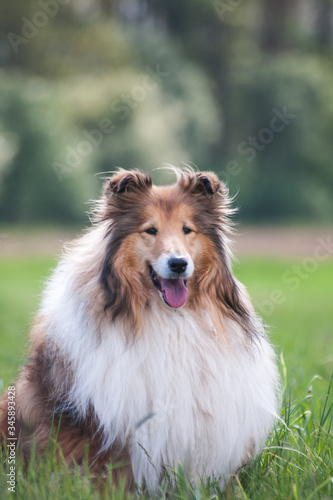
(175, 292)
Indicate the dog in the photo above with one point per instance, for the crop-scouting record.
(146, 349)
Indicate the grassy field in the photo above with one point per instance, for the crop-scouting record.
(297, 463)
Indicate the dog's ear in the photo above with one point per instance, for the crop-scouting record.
(205, 183)
(126, 181)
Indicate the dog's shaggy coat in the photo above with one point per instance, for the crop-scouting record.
(135, 358)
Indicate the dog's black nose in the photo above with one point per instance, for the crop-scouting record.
(177, 265)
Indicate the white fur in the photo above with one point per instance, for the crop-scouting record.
(212, 397)
(162, 268)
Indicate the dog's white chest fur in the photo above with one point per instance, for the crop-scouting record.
(178, 393)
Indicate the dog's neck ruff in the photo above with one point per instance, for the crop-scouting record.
(178, 392)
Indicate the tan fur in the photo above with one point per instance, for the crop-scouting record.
(115, 274)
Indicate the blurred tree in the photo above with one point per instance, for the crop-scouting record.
(324, 20)
(29, 189)
(283, 145)
(275, 18)
(106, 7)
(227, 66)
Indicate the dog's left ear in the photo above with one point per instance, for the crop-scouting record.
(205, 183)
(126, 181)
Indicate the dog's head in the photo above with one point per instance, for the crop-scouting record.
(166, 241)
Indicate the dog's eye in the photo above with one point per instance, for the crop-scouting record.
(187, 230)
(152, 231)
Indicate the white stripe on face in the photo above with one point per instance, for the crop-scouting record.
(162, 268)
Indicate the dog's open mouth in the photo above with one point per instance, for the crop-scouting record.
(174, 291)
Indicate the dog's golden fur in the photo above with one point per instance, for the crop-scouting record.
(103, 290)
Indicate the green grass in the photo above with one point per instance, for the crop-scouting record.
(21, 283)
(302, 326)
(297, 462)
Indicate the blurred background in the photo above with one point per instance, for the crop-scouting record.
(243, 88)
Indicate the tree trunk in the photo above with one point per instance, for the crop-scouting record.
(324, 22)
(275, 16)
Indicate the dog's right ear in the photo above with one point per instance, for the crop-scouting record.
(127, 181)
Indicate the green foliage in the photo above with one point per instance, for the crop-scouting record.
(56, 144)
(175, 122)
(288, 171)
(226, 67)
(31, 129)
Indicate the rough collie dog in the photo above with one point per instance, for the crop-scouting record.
(146, 348)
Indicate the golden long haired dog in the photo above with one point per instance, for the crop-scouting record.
(145, 343)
